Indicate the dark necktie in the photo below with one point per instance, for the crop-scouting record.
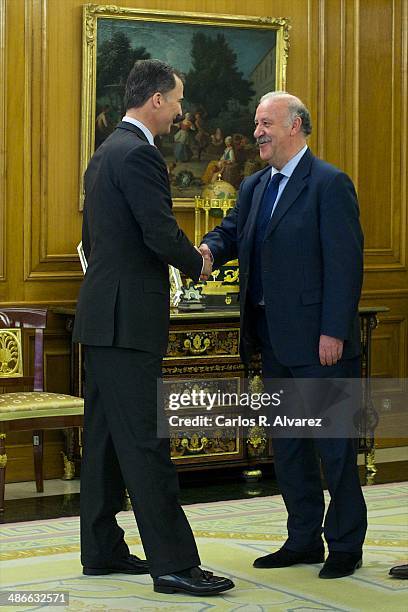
(262, 220)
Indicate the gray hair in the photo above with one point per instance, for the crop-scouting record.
(296, 108)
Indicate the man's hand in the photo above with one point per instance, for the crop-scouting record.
(207, 263)
(330, 350)
(206, 252)
(206, 270)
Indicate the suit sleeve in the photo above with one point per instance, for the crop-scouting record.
(86, 240)
(222, 240)
(145, 184)
(342, 251)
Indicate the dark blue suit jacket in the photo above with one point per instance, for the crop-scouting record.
(312, 260)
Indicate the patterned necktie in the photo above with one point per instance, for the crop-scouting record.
(262, 220)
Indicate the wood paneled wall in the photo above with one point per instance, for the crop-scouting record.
(347, 61)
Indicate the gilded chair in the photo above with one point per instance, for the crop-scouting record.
(34, 409)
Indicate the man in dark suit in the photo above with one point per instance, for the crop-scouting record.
(296, 231)
(130, 235)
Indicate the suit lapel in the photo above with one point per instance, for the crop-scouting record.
(294, 187)
(257, 196)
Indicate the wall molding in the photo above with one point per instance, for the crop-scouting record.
(382, 267)
(321, 79)
(27, 178)
(48, 275)
(393, 256)
(393, 329)
(355, 133)
(3, 139)
(44, 159)
(389, 293)
(39, 264)
(41, 303)
(404, 124)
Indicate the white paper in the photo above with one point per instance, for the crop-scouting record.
(176, 286)
(82, 257)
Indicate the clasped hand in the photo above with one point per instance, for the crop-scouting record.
(208, 261)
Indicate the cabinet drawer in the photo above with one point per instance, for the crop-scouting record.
(201, 446)
(195, 440)
(193, 343)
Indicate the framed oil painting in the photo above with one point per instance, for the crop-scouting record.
(228, 61)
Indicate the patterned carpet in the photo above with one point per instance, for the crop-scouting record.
(43, 556)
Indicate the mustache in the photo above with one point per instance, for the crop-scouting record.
(179, 118)
(262, 140)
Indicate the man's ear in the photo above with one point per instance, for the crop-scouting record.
(296, 125)
(157, 99)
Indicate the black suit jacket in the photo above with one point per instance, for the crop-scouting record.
(129, 235)
(312, 260)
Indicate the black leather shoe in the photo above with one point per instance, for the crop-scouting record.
(129, 565)
(340, 564)
(194, 581)
(285, 558)
(400, 571)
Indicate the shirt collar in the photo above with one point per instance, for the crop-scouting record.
(142, 127)
(290, 166)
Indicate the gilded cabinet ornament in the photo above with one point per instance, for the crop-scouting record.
(256, 441)
(10, 353)
(256, 384)
(69, 467)
(204, 443)
(197, 344)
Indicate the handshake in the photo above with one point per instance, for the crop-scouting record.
(208, 261)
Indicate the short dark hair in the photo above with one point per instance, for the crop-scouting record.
(146, 78)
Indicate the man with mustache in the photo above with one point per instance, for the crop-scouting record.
(296, 231)
(130, 235)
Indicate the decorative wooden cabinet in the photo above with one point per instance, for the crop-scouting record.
(205, 345)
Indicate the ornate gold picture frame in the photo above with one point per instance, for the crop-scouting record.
(229, 61)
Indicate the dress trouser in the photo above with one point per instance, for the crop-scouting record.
(297, 468)
(121, 450)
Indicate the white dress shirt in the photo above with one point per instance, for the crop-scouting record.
(287, 172)
(142, 127)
